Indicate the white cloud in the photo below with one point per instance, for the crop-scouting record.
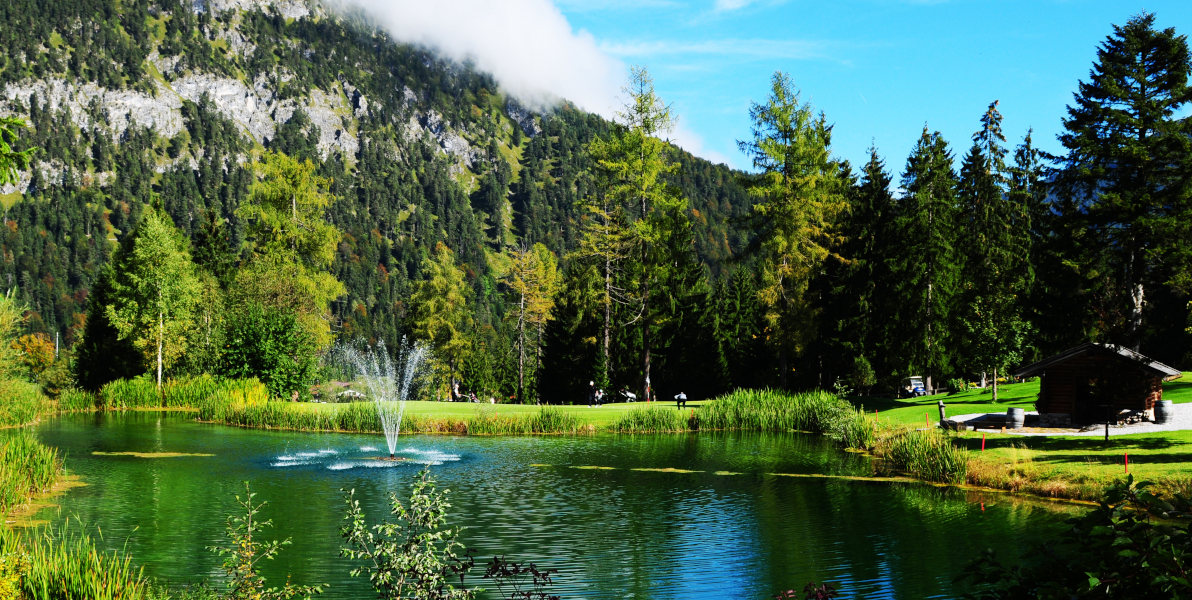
(693, 143)
(527, 45)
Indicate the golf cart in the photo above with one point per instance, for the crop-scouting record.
(912, 387)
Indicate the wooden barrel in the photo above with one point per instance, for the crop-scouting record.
(1163, 412)
(1015, 417)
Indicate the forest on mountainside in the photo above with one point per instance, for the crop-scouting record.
(530, 248)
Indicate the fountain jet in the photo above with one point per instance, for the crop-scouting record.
(388, 383)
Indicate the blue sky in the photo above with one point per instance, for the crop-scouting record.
(879, 69)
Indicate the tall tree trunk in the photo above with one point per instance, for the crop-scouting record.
(521, 348)
(995, 384)
(160, 340)
(606, 333)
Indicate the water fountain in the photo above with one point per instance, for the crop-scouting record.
(388, 383)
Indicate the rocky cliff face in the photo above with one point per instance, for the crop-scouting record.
(252, 103)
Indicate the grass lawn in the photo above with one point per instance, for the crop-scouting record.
(1060, 458)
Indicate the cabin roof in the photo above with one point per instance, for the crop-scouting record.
(1145, 362)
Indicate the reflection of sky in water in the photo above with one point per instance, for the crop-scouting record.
(682, 516)
(363, 457)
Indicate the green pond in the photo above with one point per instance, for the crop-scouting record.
(710, 515)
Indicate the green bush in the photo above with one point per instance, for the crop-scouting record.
(957, 385)
(1135, 544)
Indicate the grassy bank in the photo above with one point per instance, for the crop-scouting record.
(1060, 466)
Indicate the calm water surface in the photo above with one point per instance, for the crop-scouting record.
(662, 516)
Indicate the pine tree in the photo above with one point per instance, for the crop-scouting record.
(797, 195)
(927, 266)
(866, 288)
(1129, 164)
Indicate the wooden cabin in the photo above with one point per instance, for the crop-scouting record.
(1085, 384)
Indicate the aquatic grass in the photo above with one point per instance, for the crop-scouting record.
(21, 402)
(26, 468)
(927, 454)
(64, 563)
(139, 392)
(652, 420)
(74, 399)
(550, 419)
(771, 410)
(362, 417)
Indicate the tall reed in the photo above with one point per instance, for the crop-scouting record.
(926, 454)
(21, 402)
(651, 420)
(74, 399)
(140, 392)
(771, 410)
(26, 467)
(63, 563)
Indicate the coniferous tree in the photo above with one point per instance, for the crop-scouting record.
(866, 289)
(634, 163)
(797, 196)
(1128, 170)
(927, 267)
(994, 245)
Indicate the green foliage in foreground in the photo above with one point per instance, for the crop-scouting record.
(63, 563)
(413, 556)
(21, 402)
(245, 551)
(1135, 544)
(26, 467)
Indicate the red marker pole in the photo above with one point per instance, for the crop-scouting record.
(927, 419)
(982, 441)
(1127, 455)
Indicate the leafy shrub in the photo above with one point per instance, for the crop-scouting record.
(415, 555)
(1135, 544)
(245, 550)
(957, 385)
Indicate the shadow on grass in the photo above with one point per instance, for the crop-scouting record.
(1115, 459)
(1090, 445)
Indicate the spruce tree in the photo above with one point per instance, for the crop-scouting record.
(926, 266)
(1128, 167)
(995, 246)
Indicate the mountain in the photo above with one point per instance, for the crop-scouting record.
(131, 102)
